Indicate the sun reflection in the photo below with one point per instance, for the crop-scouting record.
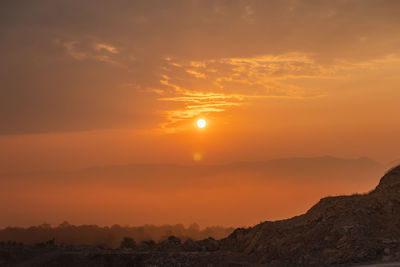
(197, 156)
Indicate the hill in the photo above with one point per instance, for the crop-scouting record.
(337, 230)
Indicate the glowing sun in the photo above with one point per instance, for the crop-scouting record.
(201, 123)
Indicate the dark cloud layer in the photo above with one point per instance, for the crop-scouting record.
(81, 65)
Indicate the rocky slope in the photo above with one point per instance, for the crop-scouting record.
(337, 230)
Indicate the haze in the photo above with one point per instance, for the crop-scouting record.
(99, 102)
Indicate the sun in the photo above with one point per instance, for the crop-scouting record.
(201, 123)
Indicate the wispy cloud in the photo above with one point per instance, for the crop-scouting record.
(197, 104)
(71, 49)
(210, 86)
(104, 47)
(196, 73)
(193, 104)
(201, 88)
(97, 51)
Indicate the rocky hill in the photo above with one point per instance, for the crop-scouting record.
(337, 231)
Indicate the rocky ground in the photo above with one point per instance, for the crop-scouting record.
(337, 231)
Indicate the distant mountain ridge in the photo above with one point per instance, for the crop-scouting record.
(282, 165)
(305, 169)
(150, 193)
(296, 162)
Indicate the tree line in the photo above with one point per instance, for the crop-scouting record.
(108, 237)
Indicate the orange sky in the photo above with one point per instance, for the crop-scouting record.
(100, 83)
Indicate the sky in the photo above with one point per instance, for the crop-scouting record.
(98, 83)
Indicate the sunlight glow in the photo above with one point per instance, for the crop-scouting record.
(201, 123)
(197, 156)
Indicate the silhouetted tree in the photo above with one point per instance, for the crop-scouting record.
(64, 224)
(194, 227)
(128, 242)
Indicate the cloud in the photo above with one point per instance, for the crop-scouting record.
(100, 47)
(246, 49)
(97, 51)
(202, 88)
(195, 73)
(70, 47)
(229, 82)
(196, 104)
